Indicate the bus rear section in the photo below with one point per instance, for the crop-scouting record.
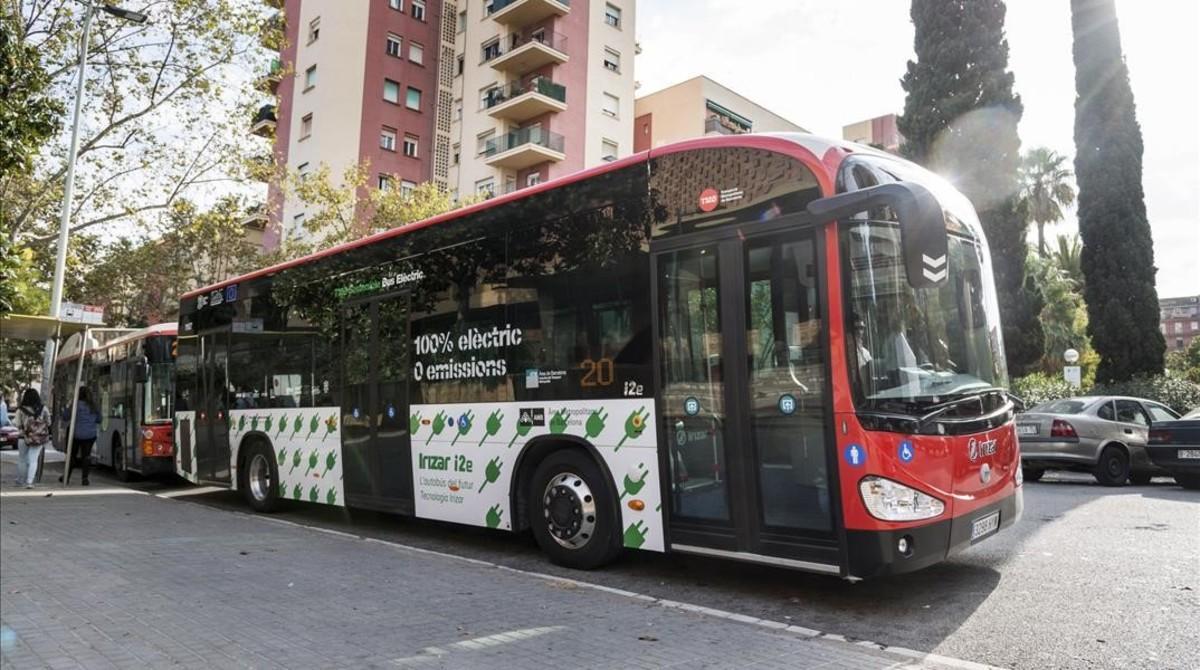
(658, 354)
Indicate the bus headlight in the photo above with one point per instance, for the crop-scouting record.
(892, 501)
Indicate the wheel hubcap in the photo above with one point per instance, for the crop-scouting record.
(569, 508)
(259, 477)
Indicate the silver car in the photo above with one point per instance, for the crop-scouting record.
(1103, 435)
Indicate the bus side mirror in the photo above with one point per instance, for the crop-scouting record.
(922, 225)
(141, 371)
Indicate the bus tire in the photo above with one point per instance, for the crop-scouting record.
(258, 478)
(1191, 482)
(1032, 474)
(1113, 467)
(118, 461)
(572, 511)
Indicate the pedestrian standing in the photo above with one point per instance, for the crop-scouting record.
(33, 420)
(87, 418)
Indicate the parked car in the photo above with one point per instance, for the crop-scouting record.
(9, 436)
(1103, 435)
(1175, 447)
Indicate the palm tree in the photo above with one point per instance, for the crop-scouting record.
(1067, 258)
(1046, 187)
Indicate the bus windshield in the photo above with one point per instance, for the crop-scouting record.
(918, 345)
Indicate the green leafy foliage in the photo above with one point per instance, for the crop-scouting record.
(1118, 252)
(960, 119)
(1180, 395)
(1040, 387)
(1045, 189)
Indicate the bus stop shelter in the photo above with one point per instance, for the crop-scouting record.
(42, 328)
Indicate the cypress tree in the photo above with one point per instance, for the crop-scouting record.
(960, 120)
(1118, 251)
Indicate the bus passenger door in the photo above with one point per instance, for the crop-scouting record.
(375, 436)
(212, 414)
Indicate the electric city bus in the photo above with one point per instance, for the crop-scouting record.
(131, 376)
(770, 348)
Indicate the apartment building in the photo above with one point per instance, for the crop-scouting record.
(477, 96)
(697, 107)
(1179, 321)
(880, 131)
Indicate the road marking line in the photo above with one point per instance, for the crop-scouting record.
(475, 643)
(56, 493)
(194, 491)
(432, 653)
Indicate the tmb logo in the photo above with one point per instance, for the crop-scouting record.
(709, 199)
(532, 416)
(975, 448)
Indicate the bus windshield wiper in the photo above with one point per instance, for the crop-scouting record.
(937, 410)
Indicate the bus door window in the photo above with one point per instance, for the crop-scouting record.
(355, 398)
(784, 327)
(693, 387)
(391, 405)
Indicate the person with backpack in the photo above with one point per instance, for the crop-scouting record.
(33, 420)
(87, 418)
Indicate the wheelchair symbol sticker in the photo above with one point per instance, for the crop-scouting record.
(691, 407)
(787, 404)
(855, 455)
(905, 451)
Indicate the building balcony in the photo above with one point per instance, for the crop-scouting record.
(523, 148)
(529, 53)
(715, 126)
(521, 101)
(269, 82)
(264, 122)
(525, 12)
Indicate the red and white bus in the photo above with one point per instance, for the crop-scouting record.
(131, 376)
(775, 348)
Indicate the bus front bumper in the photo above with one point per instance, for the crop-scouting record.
(157, 465)
(875, 553)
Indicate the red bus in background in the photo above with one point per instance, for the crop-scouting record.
(131, 376)
(776, 349)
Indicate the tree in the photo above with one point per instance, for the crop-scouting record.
(1045, 189)
(960, 120)
(1118, 251)
(156, 125)
(1063, 316)
(28, 115)
(1066, 256)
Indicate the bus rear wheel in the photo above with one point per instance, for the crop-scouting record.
(572, 512)
(258, 478)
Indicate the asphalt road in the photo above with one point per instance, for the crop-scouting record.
(1091, 577)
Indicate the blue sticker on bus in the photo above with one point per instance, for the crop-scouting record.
(391, 411)
(231, 293)
(787, 404)
(691, 407)
(354, 412)
(855, 455)
(905, 451)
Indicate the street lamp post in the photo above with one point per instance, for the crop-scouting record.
(60, 262)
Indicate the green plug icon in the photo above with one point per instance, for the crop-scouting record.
(253, 422)
(297, 457)
(313, 425)
(282, 425)
(414, 423)
(269, 423)
(330, 461)
(522, 430)
(297, 424)
(312, 462)
(558, 422)
(464, 425)
(297, 491)
(241, 423)
(492, 427)
(439, 423)
(313, 494)
(634, 425)
(595, 423)
(493, 517)
(331, 497)
(281, 457)
(635, 534)
(492, 473)
(633, 486)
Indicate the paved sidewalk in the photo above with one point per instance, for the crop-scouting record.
(112, 578)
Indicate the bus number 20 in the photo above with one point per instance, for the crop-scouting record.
(596, 373)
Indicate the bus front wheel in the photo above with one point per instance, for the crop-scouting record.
(258, 478)
(572, 512)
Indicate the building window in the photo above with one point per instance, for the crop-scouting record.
(416, 53)
(394, 45)
(612, 16)
(462, 21)
(458, 110)
(385, 182)
(412, 98)
(387, 138)
(612, 59)
(608, 150)
(298, 221)
(612, 105)
(314, 30)
(1196, 325)
(533, 179)
(410, 145)
(418, 10)
(459, 67)
(391, 91)
(397, 5)
(488, 7)
(457, 154)
(482, 140)
(310, 77)
(302, 171)
(1178, 327)
(305, 126)
(407, 187)
(491, 49)
(1179, 343)
(486, 187)
(487, 96)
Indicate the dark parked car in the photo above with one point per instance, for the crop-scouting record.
(1175, 447)
(8, 437)
(1103, 435)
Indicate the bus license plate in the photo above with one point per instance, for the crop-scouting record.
(1026, 429)
(985, 526)
(1189, 453)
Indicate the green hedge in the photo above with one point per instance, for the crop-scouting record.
(1178, 394)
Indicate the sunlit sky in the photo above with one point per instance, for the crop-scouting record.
(827, 64)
